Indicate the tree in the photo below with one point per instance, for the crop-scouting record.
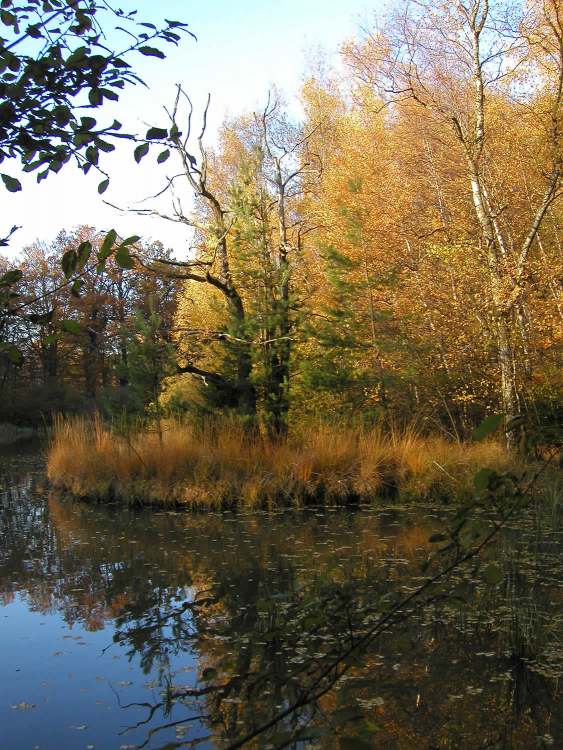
(75, 349)
(249, 233)
(455, 61)
(56, 62)
(276, 170)
(151, 358)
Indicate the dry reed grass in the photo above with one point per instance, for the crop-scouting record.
(217, 466)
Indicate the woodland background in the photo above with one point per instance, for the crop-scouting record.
(394, 255)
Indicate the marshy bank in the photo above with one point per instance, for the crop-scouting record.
(217, 466)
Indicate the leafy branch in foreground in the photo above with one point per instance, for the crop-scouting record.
(58, 58)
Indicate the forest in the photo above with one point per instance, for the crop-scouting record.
(391, 257)
(388, 264)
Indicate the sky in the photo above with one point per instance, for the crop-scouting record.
(243, 47)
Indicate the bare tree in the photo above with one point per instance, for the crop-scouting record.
(212, 263)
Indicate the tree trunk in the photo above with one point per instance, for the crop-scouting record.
(508, 378)
(277, 388)
(49, 359)
(91, 358)
(498, 284)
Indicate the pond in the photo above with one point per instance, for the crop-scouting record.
(122, 628)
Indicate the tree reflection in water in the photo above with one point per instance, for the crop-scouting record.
(264, 602)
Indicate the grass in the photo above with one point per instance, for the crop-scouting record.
(217, 466)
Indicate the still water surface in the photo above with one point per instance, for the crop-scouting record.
(101, 646)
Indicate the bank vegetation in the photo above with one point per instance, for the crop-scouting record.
(219, 466)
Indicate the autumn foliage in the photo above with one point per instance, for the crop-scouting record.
(393, 254)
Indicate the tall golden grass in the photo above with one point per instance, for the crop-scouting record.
(218, 466)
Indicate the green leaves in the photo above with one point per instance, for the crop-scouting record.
(163, 156)
(12, 185)
(487, 427)
(152, 52)
(76, 288)
(130, 240)
(141, 151)
(104, 146)
(76, 57)
(83, 255)
(87, 123)
(123, 258)
(34, 31)
(103, 186)
(92, 155)
(58, 63)
(7, 18)
(75, 260)
(154, 134)
(69, 262)
(95, 97)
(107, 245)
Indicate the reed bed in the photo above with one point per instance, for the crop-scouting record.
(218, 466)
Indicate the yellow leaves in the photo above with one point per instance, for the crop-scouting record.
(394, 198)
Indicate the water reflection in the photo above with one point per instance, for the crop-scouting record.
(124, 628)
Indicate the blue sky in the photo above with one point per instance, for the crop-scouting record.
(243, 47)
